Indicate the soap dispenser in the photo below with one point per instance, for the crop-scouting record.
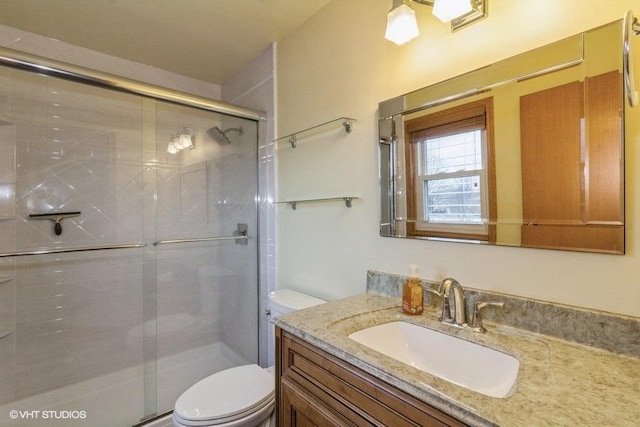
(413, 293)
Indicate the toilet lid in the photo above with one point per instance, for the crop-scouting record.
(228, 393)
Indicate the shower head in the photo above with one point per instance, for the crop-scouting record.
(220, 136)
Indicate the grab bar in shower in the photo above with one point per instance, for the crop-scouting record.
(68, 250)
(240, 235)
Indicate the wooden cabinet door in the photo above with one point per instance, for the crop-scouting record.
(301, 409)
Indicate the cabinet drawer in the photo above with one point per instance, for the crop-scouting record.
(359, 397)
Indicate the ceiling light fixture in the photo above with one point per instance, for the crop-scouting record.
(181, 141)
(402, 25)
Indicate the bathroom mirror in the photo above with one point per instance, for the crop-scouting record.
(526, 152)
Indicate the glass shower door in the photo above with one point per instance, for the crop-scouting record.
(68, 298)
(128, 268)
(207, 294)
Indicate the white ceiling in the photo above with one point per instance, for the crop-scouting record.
(210, 40)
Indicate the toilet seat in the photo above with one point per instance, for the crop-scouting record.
(250, 419)
(229, 396)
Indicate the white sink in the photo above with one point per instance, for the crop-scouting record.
(473, 366)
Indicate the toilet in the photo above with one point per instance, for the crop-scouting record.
(242, 396)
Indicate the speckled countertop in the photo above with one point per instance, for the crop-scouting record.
(560, 383)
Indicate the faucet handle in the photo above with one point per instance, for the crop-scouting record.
(433, 291)
(476, 320)
(436, 293)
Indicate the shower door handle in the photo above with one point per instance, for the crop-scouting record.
(240, 235)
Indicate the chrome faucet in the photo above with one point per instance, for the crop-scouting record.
(451, 288)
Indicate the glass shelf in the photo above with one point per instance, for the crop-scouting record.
(346, 122)
(294, 203)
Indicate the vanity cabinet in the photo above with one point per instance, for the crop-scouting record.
(314, 388)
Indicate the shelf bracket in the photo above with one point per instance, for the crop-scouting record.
(346, 122)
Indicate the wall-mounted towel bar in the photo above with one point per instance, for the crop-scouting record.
(200, 239)
(240, 235)
(346, 122)
(69, 250)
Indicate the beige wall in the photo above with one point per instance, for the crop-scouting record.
(339, 64)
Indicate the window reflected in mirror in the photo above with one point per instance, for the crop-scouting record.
(450, 182)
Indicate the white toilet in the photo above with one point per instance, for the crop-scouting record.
(242, 396)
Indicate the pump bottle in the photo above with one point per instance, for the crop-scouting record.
(413, 293)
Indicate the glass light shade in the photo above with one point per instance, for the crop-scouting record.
(185, 141)
(172, 148)
(402, 25)
(446, 10)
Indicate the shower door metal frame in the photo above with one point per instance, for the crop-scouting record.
(41, 65)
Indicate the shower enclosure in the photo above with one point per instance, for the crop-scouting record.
(128, 248)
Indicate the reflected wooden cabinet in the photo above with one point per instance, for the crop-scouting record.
(571, 171)
(314, 388)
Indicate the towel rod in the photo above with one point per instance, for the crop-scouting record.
(240, 235)
(68, 250)
(199, 239)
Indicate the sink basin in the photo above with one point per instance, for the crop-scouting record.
(473, 366)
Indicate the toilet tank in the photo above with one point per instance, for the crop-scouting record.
(286, 300)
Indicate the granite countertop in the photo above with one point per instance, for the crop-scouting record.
(560, 383)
